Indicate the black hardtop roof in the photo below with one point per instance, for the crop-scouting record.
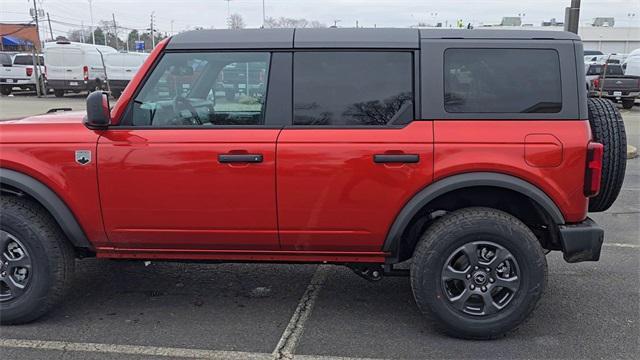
(343, 37)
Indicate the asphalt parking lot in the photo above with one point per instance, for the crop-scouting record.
(134, 310)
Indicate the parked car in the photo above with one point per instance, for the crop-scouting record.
(468, 152)
(121, 67)
(75, 67)
(20, 73)
(631, 65)
(612, 83)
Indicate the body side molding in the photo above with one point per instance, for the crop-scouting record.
(50, 201)
(455, 182)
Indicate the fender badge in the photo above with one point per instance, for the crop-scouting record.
(83, 157)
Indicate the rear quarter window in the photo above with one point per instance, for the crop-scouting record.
(483, 80)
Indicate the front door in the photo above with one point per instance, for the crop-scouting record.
(192, 164)
(355, 153)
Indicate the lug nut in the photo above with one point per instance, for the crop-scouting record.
(468, 276)
(491, 280)
(488, 270)
(472, 287)
(484, 288)
(475, 268)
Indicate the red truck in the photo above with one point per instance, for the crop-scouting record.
(467, 154)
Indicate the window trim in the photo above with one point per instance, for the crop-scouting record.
(444, 80)
(415, 60)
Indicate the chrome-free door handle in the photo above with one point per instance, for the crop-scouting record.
(239, 158)
(396, 158)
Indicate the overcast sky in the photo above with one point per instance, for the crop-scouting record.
(186, 14)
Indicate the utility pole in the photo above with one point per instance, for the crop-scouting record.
(50, 29)
(171, 27)
(228, 8)
(153, 36)
(572, 17)
(82, 31)
(115, 29)
(93, 32)
(264, 18)
(36, 56)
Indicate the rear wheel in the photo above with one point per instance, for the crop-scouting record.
(5, 90)
(607, 128)
(36, 262)
(628, 103)
(58, 93)
(478, 272)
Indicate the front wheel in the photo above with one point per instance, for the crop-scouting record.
(36, 262)
(5, 90)
(478, 272)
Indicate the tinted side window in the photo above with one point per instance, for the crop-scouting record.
(502, 81)
(204, 89)
(353, 88)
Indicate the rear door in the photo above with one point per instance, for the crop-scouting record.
(355, 153)
(189, 168)
(56, 69)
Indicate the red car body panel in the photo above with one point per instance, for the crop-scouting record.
(43, 147)
(331, 194)
(166, 189)
(500, 146)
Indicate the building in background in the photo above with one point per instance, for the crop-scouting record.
(19, 37)
(620, 40)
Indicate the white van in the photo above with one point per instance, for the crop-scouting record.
(121, 67)
(75, 67)
(632, 63)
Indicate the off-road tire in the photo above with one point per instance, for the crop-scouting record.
(5, 90)
(51, 255)
(58, 93)
(463, 227)
(607, 128)
(628, 103)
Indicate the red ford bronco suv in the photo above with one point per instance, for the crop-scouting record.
(468, 153)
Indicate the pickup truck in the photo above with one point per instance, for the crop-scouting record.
(609, 81)
(20, 73)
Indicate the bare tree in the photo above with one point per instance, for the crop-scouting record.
(284, 22)
(235, 21)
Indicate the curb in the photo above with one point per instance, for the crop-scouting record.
(632, 152)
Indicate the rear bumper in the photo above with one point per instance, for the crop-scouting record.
(17, 82)
(610, 94)
(581, 241)
(71, 84)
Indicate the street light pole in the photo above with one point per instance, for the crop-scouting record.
(93, 35)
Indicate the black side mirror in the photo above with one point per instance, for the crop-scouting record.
(98, 111)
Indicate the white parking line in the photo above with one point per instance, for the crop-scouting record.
(292, 333)
(132, 349)
(621, 245)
